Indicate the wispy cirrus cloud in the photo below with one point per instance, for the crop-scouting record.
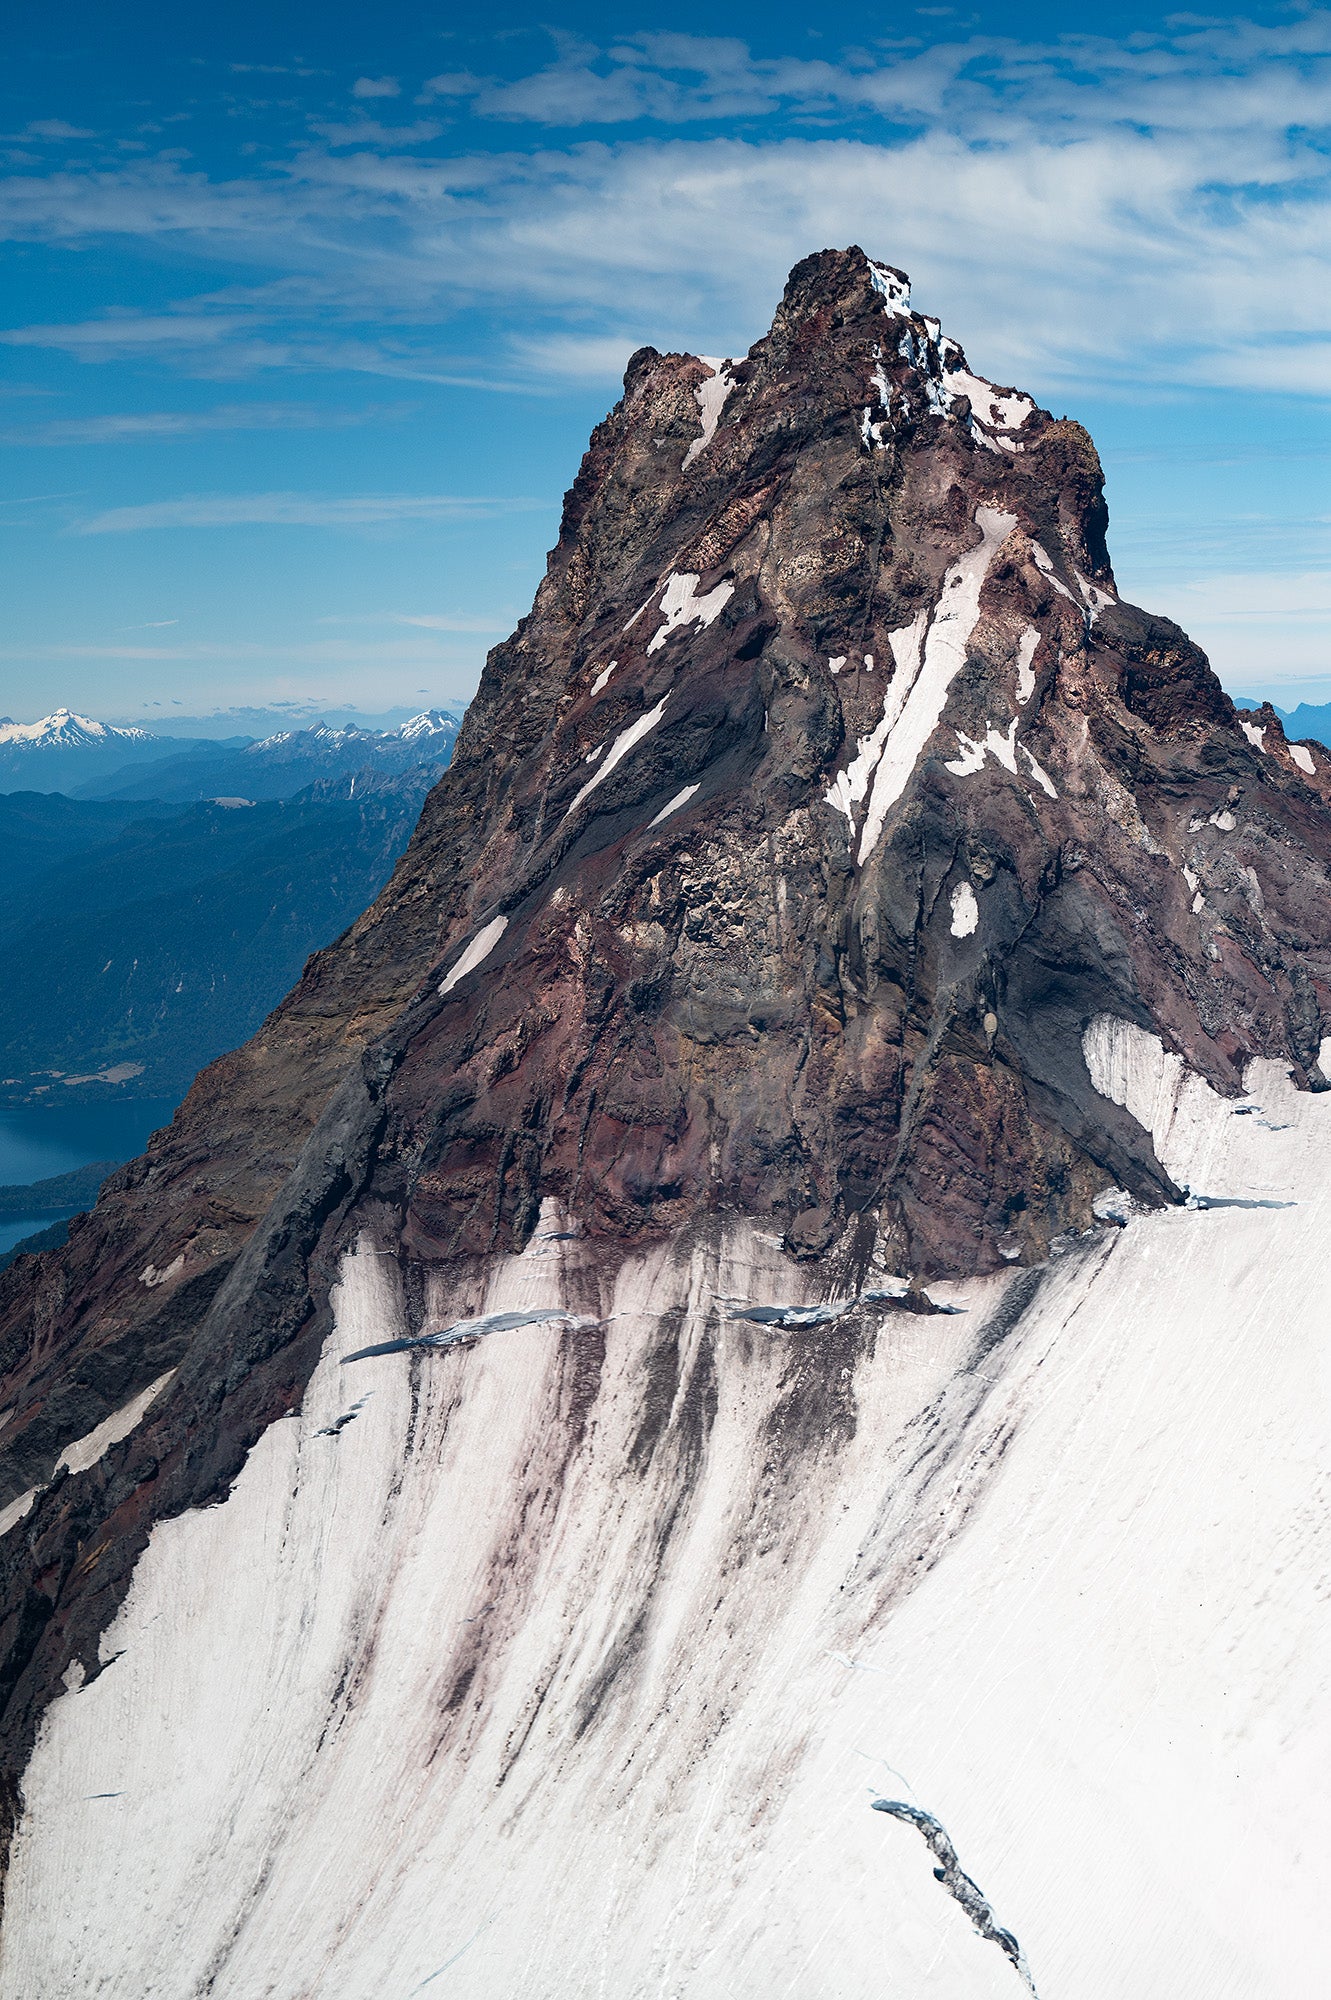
(430, 621)
(1166, 200)
(143, 426)
(1090, 212)
(122, 333)
(299, 510)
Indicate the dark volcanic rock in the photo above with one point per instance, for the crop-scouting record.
(791, 843)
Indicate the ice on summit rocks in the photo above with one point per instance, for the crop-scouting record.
(997, 411)
(893, 287)
(1303, 757)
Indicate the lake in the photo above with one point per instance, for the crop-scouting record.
(38, 1140)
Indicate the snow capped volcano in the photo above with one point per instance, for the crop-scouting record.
(705, 1314)
(431, 723)
(64, 730)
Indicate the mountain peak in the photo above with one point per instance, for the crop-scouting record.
(64, 729)
(841, 906)
(430, 722)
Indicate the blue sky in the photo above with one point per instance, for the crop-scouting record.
(308, 312)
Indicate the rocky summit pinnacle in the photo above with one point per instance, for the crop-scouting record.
(828, 791)
(806, 857)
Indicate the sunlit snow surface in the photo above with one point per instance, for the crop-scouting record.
(710, 397)
(552, 1676)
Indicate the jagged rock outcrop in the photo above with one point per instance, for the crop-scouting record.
(791, 848)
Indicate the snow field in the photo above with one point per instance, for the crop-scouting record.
(573, 1664)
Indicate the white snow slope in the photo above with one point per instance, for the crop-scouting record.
(555, 1676)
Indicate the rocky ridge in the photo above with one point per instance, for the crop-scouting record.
(827, 794)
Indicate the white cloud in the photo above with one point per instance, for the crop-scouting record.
(1083, 213)
(574, 357)
(297, 510)
(1262, 630)
(31, 499)
(1254, 598)
(376, 86)
(454, 83)
(367, 132)
(55, 128)
(128, 332)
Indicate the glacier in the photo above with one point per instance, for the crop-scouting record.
(575, 1665)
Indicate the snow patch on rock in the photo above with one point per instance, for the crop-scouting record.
(1026, 651)
(944, 653)
(851, 785)
(681, 605)
(1038, 772)
(710, 397)
(965, 910)
(680, 799)
(18, 1509)
(87, 1450)
(484, 942)
(1044, 563)
(152, 1277)
(619, 749)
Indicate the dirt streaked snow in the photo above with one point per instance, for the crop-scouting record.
(573, 1666)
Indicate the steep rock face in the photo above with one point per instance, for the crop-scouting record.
(850, 791)
(826, 798)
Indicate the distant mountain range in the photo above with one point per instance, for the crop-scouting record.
(144, 938)
(66, 752)
(277, 767)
